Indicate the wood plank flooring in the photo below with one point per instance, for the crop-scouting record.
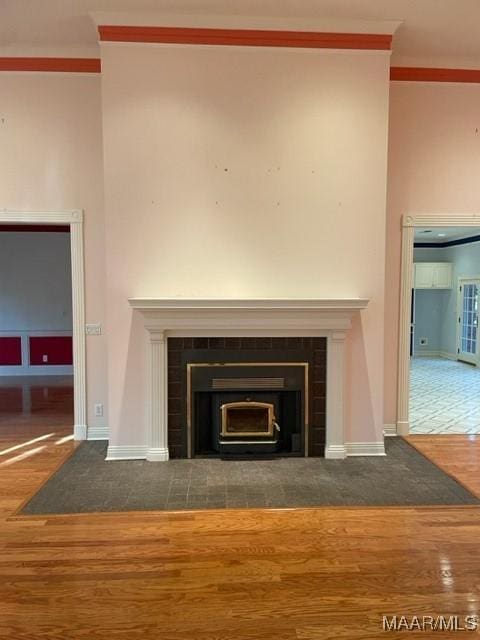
(305, 574)
(458, 455)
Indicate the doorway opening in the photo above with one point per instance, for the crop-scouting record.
(439, 366)
(42, 343)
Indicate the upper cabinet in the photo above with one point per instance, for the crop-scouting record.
(433, 275)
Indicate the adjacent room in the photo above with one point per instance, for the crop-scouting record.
(445, 373)
(36, 372)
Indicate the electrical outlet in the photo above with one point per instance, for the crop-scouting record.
(98, 410)
(424, 341)
(44, 358)
(93, 329)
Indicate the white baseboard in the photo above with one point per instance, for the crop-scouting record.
(389, 429)
(335, 452)
(127, 452)
(80, 432)
(157, 455)
(37, 370)
(365, 448)
(97, 433)
(448, 356)
(436, 354)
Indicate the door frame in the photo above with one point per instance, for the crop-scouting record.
(408, 225)
(73, 218)
(460, 282)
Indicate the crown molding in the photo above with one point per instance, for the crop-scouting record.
(244, 37)
(59, 65)
(430, 74)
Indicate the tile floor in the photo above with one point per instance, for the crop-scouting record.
(444, 396)
(87, 483)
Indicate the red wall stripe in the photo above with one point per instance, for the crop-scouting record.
(245, 37)
(426, 74)
(58, 349)
(71, 65)
(35, 228)
(10, 351)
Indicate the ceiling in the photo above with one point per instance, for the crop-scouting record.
(444, 234)
(442, 33)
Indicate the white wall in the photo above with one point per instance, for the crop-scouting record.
(434, 156)
(51, 160)
(35, 281)
(249, 172)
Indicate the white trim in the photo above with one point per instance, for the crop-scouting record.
(126, 452)
(74, 218)
(389, 430)
(435, 354)
(97, 433)
(165, 318)
(158, 454)
(365, 449)
(469, 359)
(409, 222)
(36, 370)
(178, 304)
(336, 452)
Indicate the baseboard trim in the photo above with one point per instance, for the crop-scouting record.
(97, 433)
(389, 430)
(157, 454)
(80, 432)
(365, 448)
(336, 452)
(436, 354)
(403, 428)
(447, 355)
(126, 452)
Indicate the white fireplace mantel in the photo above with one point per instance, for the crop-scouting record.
(180, 317)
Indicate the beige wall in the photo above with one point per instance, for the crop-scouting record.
(51, 159)
(244, 172)
(434, 167)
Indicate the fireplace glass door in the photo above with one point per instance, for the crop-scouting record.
(247, 419)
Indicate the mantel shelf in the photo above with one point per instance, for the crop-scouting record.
(307, 304)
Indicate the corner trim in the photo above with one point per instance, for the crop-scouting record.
(244, 37)
(126, 452)
(365, 448)
(58, 65)
(427, 74)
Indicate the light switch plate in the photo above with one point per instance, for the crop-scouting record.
(93, 329)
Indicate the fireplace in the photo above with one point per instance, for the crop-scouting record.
(240, 402)
(196, 334)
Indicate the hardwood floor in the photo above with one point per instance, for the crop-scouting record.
(458, 455)
(240, 574)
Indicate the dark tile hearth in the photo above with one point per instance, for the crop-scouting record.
(87, 483)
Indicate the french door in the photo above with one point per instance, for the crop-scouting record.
(468, 343)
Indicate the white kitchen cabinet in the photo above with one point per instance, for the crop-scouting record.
(433, 275)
